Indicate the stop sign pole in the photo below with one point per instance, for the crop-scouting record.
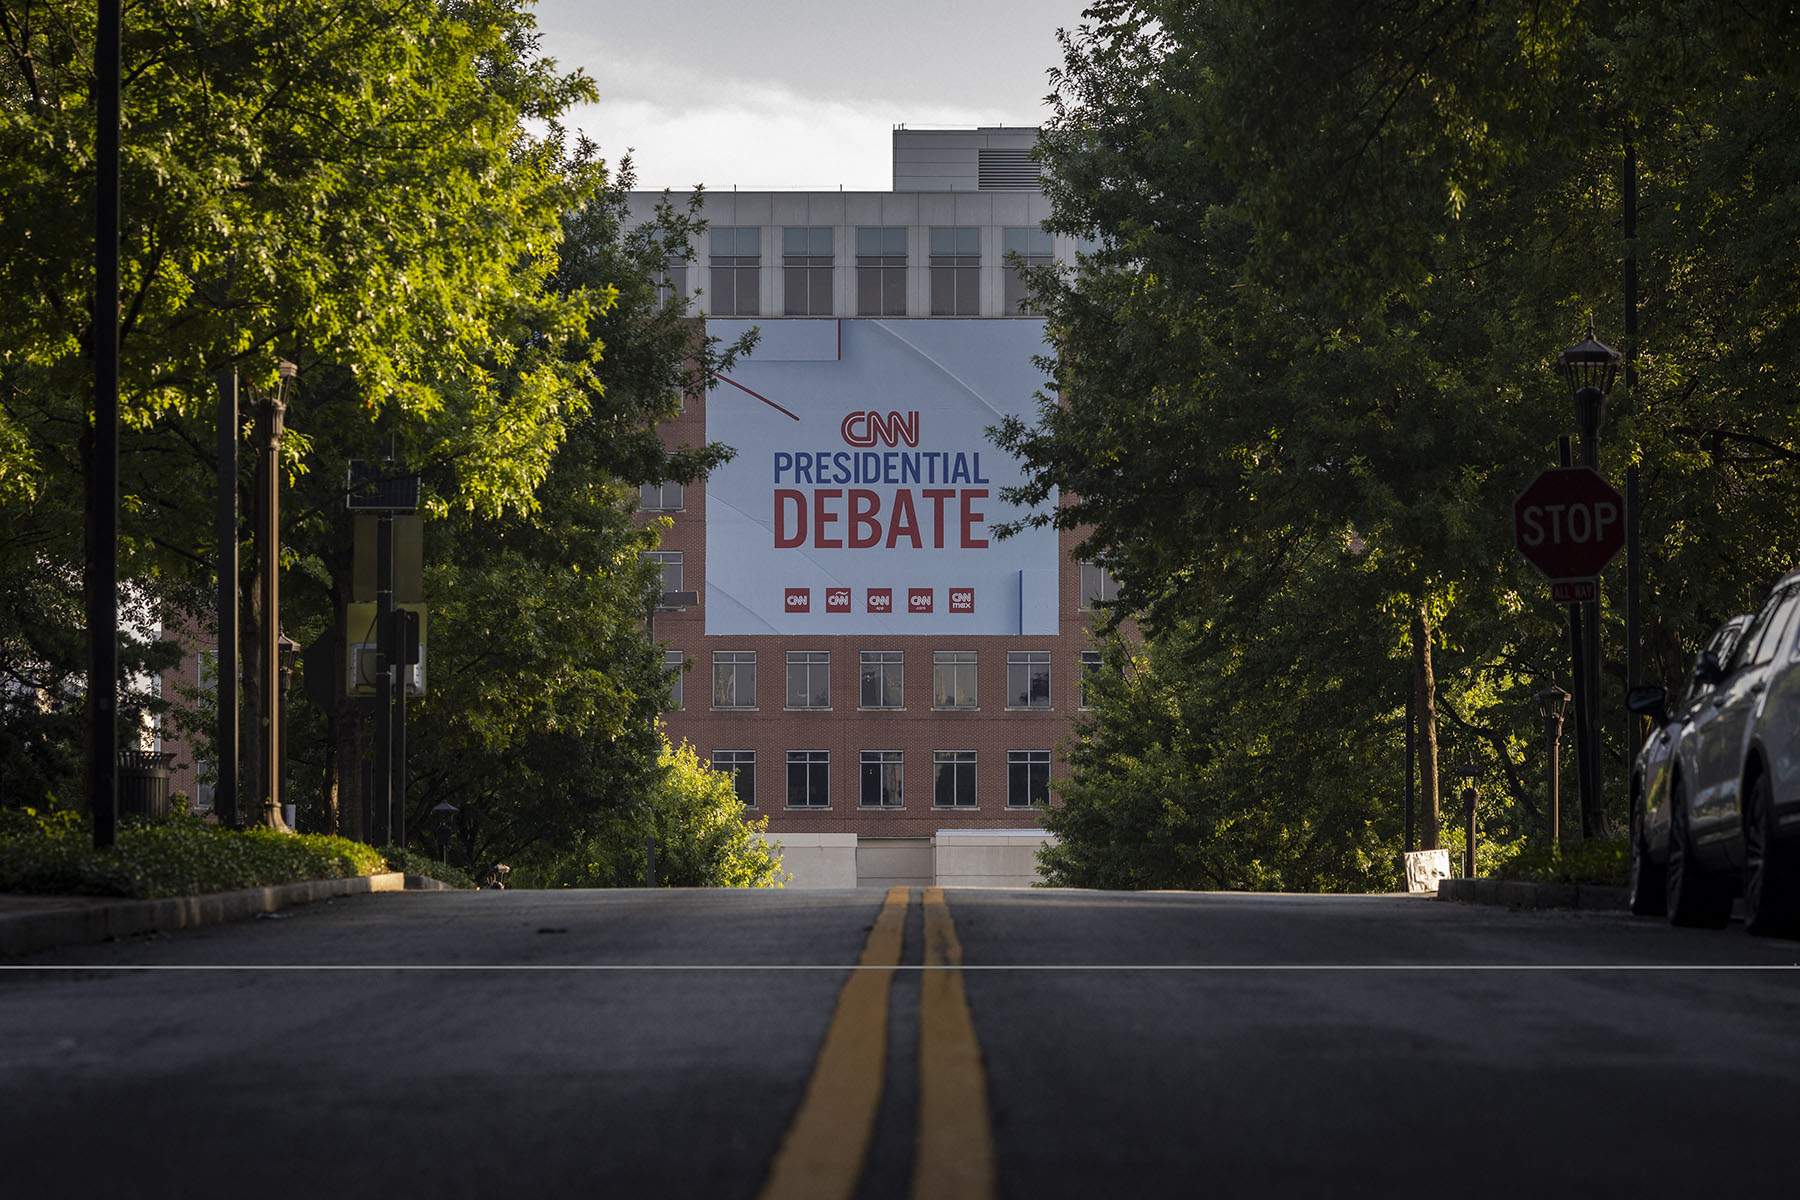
(1569, 523)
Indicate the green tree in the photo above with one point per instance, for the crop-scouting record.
(702, 837)
(350, 186)
(1335, 250)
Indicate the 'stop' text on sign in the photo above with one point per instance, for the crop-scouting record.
(1569, 523)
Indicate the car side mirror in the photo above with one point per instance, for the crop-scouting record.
(1707, 668)
(1649, 700)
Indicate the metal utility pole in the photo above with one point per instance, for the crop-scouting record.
(225, 674)
(384, 675)
(102, 583)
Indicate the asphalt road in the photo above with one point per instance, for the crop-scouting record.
(1010, 1043)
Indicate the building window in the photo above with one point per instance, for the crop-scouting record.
(674, 662)
(670, 561)
(659, 497)
(734, 679)
(956, 271)
(736, 257)
(809, 778)
(883, 679)
(741, 765)
(1028, 679)
(1027, 778)
(1090, 663)
(671, 283)
(953, 679)
(1028, 246)
(880, 271)
(809, 679)
(881, 778)
(1097, 585)
(806, 270)
(953, 778)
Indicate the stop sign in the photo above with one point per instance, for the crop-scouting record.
(1569, 522)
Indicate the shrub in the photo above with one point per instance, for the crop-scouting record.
(1603, 861)
(413, 863)
(53, 854)
(702, 837)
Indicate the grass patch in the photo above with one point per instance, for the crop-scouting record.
(1602, 861)
(53, 854)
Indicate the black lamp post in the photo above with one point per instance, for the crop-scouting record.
(1470, 772)
(1590, 367)
(1550, 704)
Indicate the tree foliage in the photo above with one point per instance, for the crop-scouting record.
(1307, 366)
(701, 836)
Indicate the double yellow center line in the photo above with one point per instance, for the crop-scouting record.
(821, 1157)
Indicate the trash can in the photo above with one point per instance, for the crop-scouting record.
(144, 782)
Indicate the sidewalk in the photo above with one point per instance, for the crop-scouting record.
(29, 923)
(1517, 894)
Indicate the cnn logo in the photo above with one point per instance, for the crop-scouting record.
(837, 600)
(918, 600)
(881, 600)
(962, 600)
(799, 599)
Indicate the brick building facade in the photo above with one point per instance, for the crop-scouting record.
(869, 726)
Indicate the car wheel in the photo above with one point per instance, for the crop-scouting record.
(1769, 903)
(1696, 896)
(1649, 879)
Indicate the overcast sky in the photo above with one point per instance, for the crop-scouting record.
(799, 94)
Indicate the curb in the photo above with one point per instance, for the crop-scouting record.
(84, 920)
(1519, 894)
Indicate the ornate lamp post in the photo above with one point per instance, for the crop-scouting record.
(271, 412)
(1550, 704)
(1590, 367)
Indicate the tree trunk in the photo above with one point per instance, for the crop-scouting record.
(1425, 686)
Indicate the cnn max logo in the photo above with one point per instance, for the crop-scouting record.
(799, 599)
(837, 600)
(881, 600)
(962, 600)
(918, 600)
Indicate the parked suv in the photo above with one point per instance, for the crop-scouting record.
(1731, 782)
(1651, 773)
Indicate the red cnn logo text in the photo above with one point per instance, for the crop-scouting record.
(799, 600)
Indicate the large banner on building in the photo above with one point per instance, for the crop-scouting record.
(865, 491)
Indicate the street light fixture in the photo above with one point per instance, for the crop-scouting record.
(1550, 704)
(1590, 366)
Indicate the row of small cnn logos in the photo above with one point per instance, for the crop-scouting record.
(881, 600)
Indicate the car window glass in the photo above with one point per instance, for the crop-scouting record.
(1775, 633)
(1753, 635)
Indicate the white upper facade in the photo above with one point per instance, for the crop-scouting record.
(965, 212)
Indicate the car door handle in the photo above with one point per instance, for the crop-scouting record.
(1757, 687)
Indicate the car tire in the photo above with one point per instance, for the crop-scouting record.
(1649, 879)
(1697, 897)
(1769, 879)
